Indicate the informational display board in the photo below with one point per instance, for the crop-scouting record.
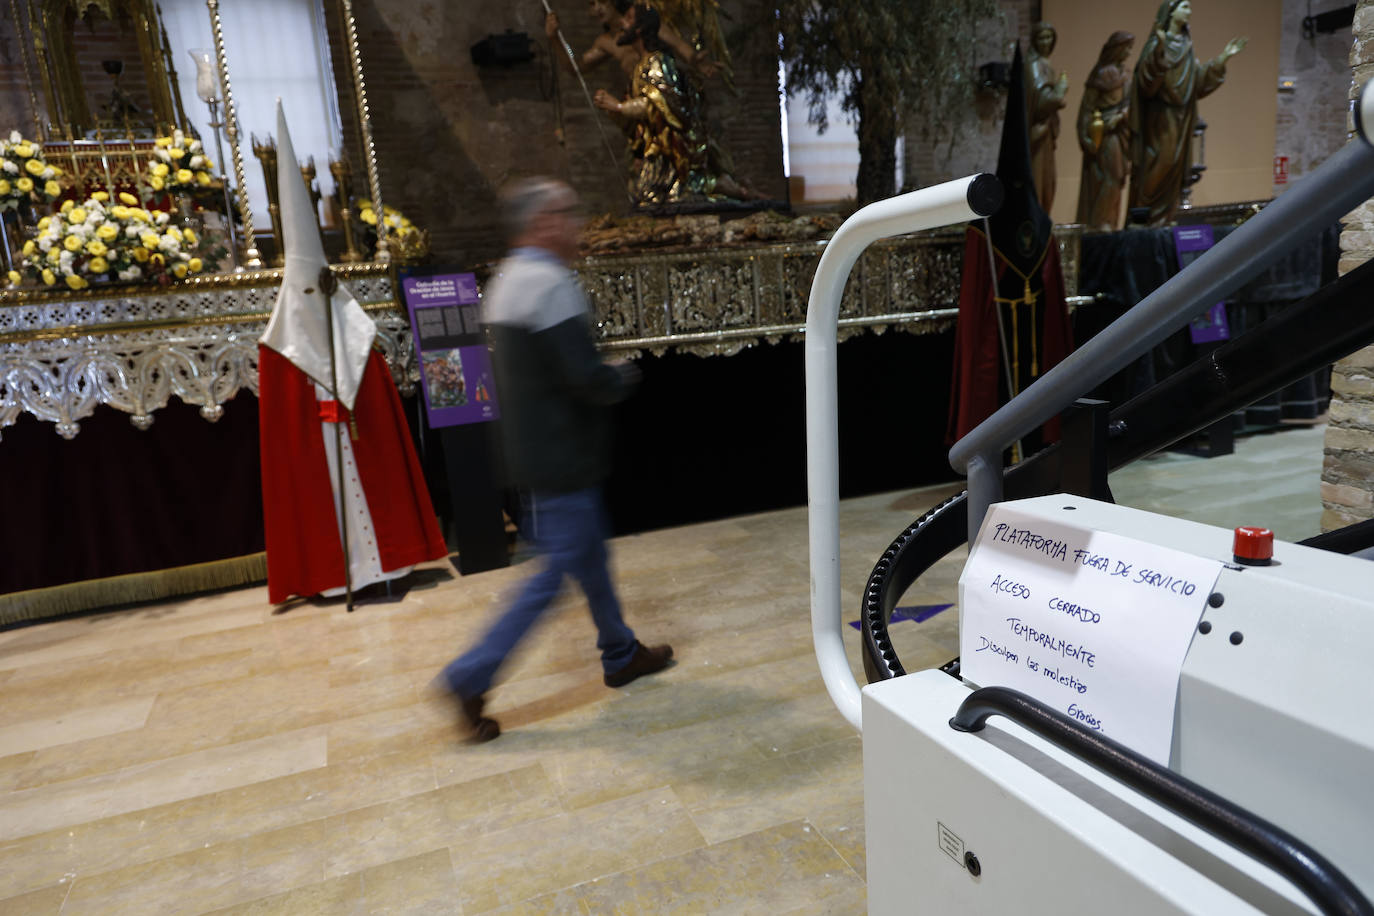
(1092, 623)
(455, 368)
(1190, 243)
(460, 397)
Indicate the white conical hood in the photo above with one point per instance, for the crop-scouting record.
(299, 326)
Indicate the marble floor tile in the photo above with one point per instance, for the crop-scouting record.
(75, 725)
(785, 869)
(508, 866)
(218, 754)
(149, 785)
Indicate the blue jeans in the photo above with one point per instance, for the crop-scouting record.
(569, 532)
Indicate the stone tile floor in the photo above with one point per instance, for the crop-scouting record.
(213, 754)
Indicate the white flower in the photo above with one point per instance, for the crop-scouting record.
(65, 259)
(9, 166)
(15, 136)
(44, 244)
(196, 162)
(161, 217)
(132, 231)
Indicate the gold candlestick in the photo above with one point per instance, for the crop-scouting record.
(266, 151)
(343, 196)
(312, 188)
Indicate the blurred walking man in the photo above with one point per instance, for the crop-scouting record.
(555, 428)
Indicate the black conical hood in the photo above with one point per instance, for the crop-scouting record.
(1020, 229)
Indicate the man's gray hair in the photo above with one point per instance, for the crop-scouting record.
(526, 199)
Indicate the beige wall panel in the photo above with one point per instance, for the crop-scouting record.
(1240, 115)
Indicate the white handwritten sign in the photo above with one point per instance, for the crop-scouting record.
(1092, 623)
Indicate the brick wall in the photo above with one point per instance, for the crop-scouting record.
(449, 134)
(1311, 122)
(1348, 467)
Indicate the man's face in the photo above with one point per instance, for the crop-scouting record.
(560, 223)
(601, 11)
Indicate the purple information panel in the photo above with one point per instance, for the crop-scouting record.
(455, 367)
(1189, 243)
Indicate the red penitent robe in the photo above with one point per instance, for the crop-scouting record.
(978, 382)
(304, 551)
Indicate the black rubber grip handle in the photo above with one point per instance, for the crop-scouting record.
(1323, 883)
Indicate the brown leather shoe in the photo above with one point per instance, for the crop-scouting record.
(646, 660)
(480, 727)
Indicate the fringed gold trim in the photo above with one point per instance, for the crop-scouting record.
(89, 594)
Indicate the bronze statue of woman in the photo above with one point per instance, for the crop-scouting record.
(1168, 82)
(1104, 135)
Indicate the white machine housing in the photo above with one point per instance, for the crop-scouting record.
(1277, 720)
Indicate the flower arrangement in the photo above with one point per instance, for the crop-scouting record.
(24, 176)
(179, 165)
(411, 241)
(97, 240)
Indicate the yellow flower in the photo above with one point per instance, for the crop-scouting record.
(34, 167)
(128, 199)
(67, 206)
(163, 142)
(138, 213)
(155, 182)
(24, 184)
(76, 282)
(43, 223)
(49, 277)
(209, 163)
(176, 152)
(195, 265)
(179, 270)
(56, 172)
(160, 169)
(29, 248)
(156, 258)
(107, 232)
(23, 150)
(140, 254)
(175, 233)
(119, 211)
(189, 236)
(4, 187)
(96, 247)
(368, 216)
(101, 196)
(72, 243)
(98, 265)
(149, 239)
(78, 215)
(52, 189)
(185, 176)
(54, 254)
(203, 178)
(14, 278)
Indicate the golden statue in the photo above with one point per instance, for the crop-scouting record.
(1104, 135)
(1168, 82)
(675, 160)
(1044, 98)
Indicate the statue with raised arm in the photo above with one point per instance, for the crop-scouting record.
(1104, 135)
(1044, 98)
(1168, 82)
(612, 14)
(675, 161)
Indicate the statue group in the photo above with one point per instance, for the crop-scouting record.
(663, 114)
(1137, 127)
